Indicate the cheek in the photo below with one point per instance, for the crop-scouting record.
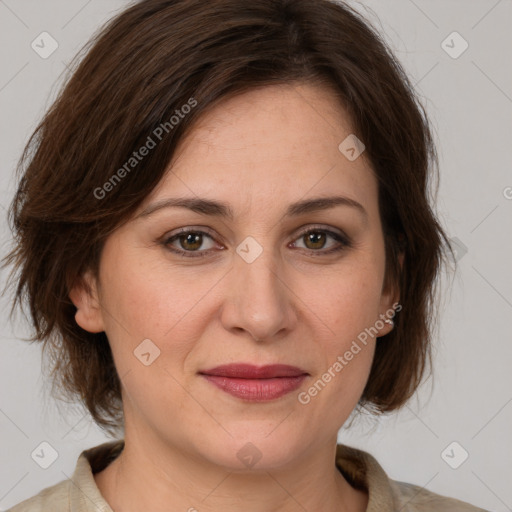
(347, 352)
(147, 300)
(333, 392)
(143, 301)
(343, 312)
(146, 305)
(345, 302)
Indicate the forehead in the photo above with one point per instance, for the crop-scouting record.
(276, 142)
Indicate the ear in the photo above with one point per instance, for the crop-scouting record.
(84, 295)
(389, 302)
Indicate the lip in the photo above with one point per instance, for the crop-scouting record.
(250, 371)
(255, 383)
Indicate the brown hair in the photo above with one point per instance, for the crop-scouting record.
(140, 70)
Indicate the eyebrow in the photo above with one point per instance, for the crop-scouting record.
(219, 209)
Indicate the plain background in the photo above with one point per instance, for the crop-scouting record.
(469, 99)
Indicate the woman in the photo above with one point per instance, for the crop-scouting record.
(225, 240)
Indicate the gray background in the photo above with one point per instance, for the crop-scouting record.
(469, 99)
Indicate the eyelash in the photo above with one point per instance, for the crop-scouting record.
(343, 240)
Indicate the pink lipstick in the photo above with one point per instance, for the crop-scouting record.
(255, 383)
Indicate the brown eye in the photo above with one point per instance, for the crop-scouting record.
(191, 241)
(315, 239)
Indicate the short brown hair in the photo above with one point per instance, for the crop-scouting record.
(143, 66)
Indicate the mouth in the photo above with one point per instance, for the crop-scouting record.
(253, 383)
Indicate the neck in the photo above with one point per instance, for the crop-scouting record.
(158, 477)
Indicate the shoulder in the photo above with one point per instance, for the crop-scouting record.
(54, 498)
(363, 470)
(80, 492)
(413, 498)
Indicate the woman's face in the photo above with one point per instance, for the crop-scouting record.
(248, 288)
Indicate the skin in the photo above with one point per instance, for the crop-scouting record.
(258, 152)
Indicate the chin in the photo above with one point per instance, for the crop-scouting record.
(253, 449)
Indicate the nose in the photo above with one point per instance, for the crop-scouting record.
(259, 301)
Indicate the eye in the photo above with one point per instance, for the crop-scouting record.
(315, 238)
(189, 241)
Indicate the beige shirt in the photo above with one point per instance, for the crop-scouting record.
(80, 493)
